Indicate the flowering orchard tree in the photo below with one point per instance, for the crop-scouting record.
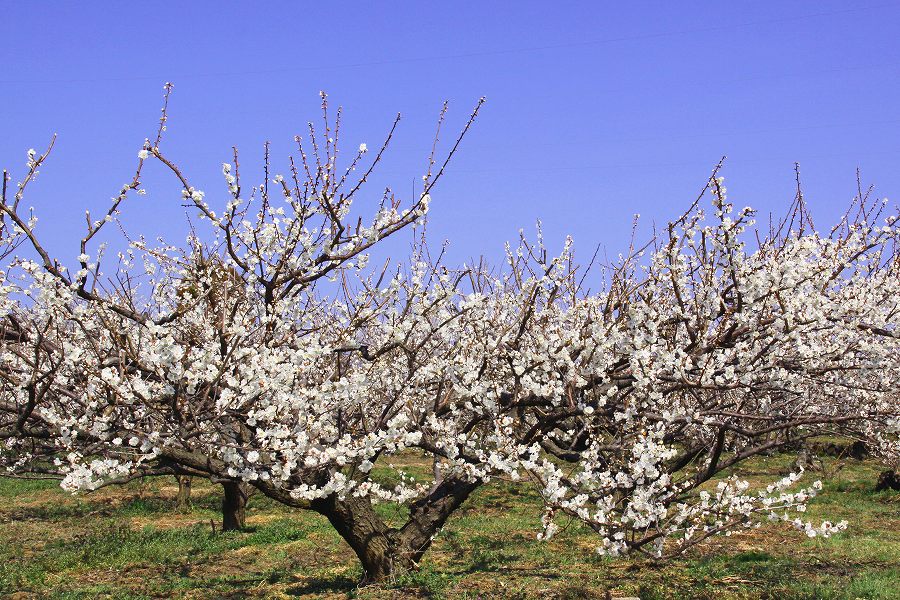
(266, 352)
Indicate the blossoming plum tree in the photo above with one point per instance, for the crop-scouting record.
(266, 352)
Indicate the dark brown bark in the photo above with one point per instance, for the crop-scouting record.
(183, 499)
(384, 551)
(375, 544)
(234, 505)
(428, 515)
(888, 480)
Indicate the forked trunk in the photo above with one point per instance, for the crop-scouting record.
(376, 545)
(234, 505)
(386, 552)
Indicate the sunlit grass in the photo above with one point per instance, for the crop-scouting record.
(131, 542)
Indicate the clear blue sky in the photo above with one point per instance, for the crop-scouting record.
(596, 110)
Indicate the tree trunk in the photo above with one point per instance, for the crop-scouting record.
(234, 504)
(183, 499)
(428, 515)
(386, 552)
(375, 544)
(888, 480)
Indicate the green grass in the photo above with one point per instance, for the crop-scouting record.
(131, 542)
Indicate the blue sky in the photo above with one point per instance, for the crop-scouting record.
(595, 111)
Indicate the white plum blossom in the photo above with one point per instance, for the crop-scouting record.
(237, 359)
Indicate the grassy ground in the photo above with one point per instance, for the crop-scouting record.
(132, 543)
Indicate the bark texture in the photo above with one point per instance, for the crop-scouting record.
(385, 551)
(376, 545)
(234, 505)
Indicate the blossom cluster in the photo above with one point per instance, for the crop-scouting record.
(237, 358)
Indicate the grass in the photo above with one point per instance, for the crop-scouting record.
(131, 542)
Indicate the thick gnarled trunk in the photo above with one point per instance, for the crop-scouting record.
(234, 505)
(376, 545)
(385, 551)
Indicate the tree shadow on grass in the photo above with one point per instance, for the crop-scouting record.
(93, 506)
(336, 584)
